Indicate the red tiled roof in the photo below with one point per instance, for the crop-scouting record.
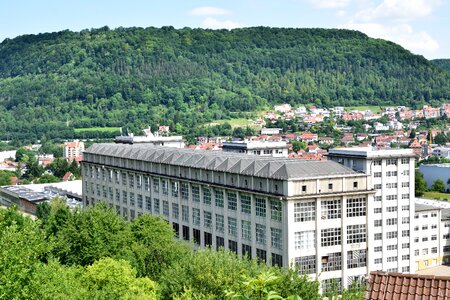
(393, 286)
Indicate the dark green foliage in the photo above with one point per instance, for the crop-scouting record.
(442, 63)
(184, 78)
(420, 184)
(438, 186)
(5, 177)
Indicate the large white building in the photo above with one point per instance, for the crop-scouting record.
(391, 212)
(313, 214)
(73, 150)
(276, 149)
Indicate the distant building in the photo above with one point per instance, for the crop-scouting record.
(428, 237)
(270, 131)
(73, 150)
(283, 108)
(441, 152)
(149, 137)
(275, 149)
(4, 155)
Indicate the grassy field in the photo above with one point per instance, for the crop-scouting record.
(239, 122)
(103, 129)
(436, 196)
(374, 109)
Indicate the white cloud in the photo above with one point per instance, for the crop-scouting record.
(209, 11)
(341, 13)
(402, 34)
(398, 10)
(329, 3)
(213, 23)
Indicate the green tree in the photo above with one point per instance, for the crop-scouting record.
(22, 244)
(155, 248)
(115, 279)
(297, 146)
(81, 237)
(420, 184)
(438, 186)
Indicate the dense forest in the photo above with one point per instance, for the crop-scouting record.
(442, 63)
(95, 254)
(137, 77)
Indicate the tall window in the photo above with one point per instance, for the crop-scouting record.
(165, 187)
(156, 185)
(232, 201)
(196, 216)
(260, 207)
(175, 210)
(261, 234)
(219, 223)
(232, 226)
(218, 198)
(277, 238)
(304, 211)
(275, 210)
(246, 230)
(207, 219)
(195, 193)
(246, 204)
(166, 208)
(174, 189)
(185, 213)
(206, 196)
(332, 262)
(184, 191)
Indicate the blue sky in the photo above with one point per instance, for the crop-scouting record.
(421, 26)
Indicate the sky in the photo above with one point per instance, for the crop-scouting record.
(421, 26)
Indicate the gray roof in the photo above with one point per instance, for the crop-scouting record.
(271, 167)
(424, 207)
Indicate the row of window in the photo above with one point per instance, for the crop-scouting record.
(331, 262)
(333, 236)
(425, 251)
(207, 241)
(260, 204)
(305, 211)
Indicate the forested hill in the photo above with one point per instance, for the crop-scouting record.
(134, 77)
(442, 63)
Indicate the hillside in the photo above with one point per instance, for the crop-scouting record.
(134, 77)
(442, 63)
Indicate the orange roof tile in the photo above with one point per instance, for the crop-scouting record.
(390, 286)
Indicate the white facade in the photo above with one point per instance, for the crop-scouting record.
(391, 212)
(313, 214)
(270, 131)
(73, 149)
(258, 148)
(428, 237)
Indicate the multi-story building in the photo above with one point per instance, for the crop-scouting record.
(312, 214)
(277, 149)
(73, 150)
(391, 212)
(428, 237)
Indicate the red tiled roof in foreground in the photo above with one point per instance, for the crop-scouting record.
(398, 286)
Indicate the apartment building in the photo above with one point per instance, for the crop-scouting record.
(73, 150)
(429, 237)
(287, 212)
(391, 212)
